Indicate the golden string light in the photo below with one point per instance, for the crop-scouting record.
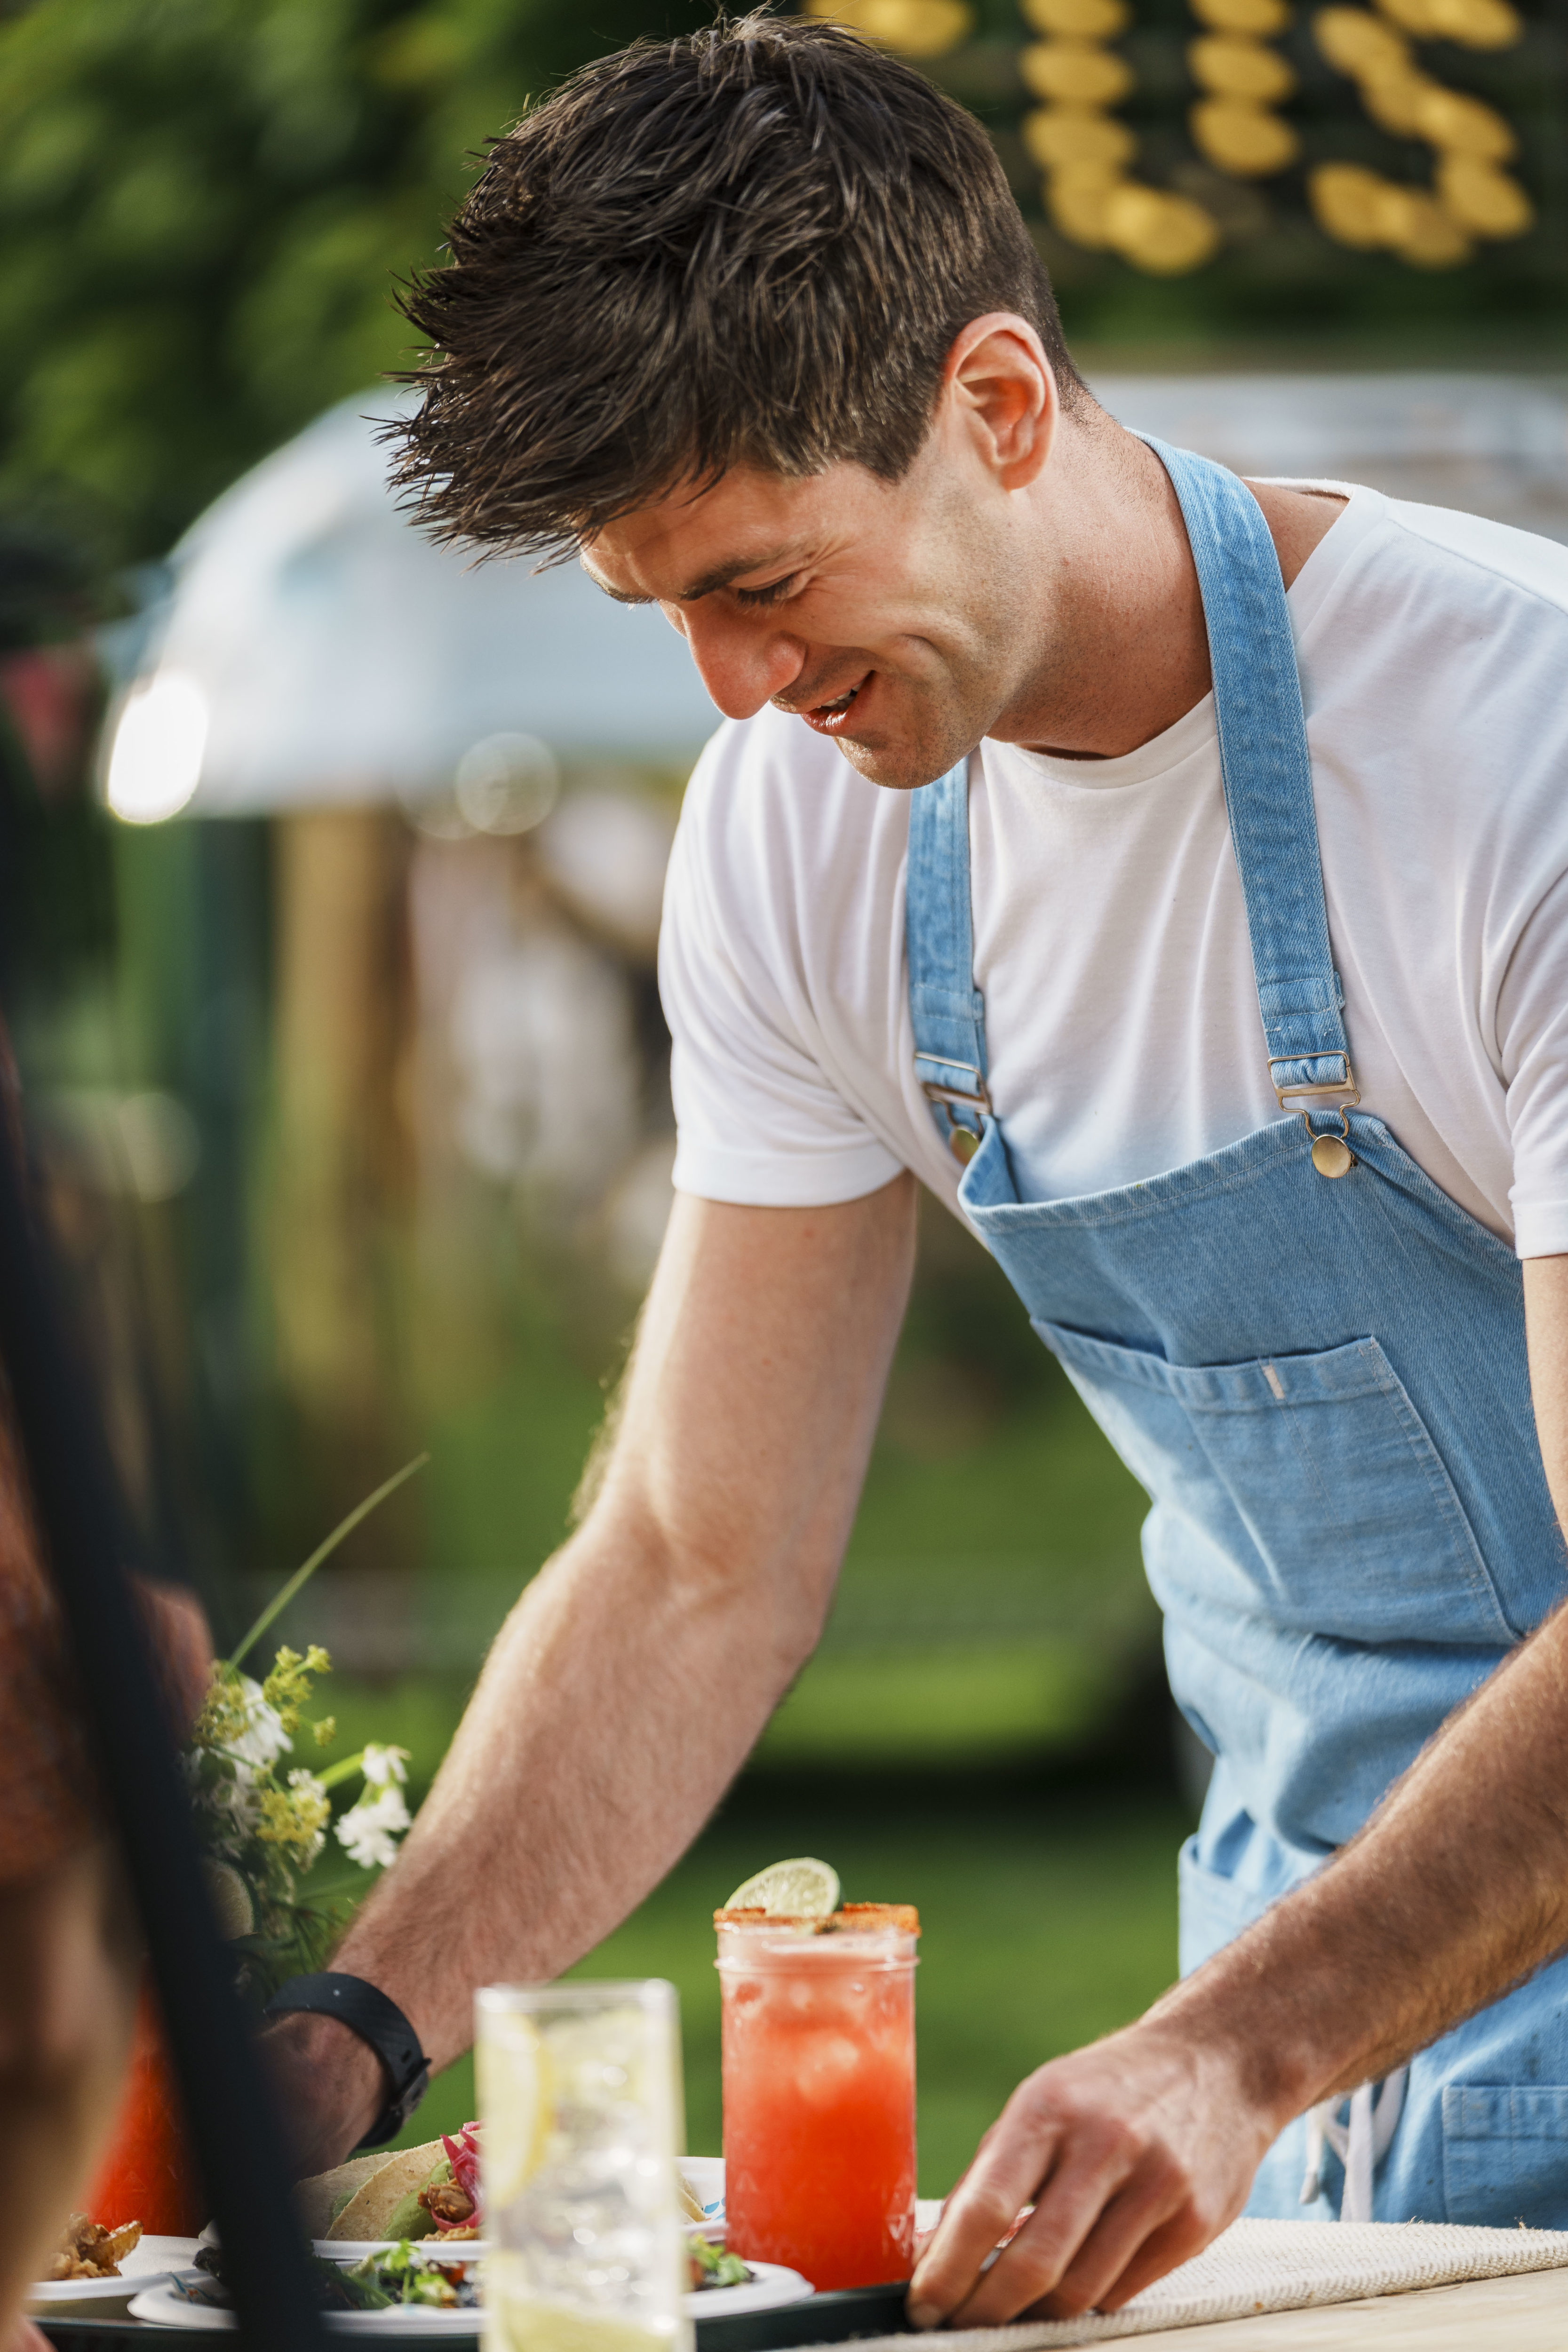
(1471, 194)
(1243, 80)
(1084, 152)
(917, 28)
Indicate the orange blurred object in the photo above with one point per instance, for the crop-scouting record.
(148, 2173)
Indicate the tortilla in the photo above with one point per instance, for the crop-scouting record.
(318, 2201)
(400, 2178)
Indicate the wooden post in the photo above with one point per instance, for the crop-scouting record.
(340, 1170)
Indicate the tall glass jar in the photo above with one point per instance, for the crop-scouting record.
(579, 2089)
(819, 2091)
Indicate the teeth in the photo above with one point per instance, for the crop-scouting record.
(844, 701)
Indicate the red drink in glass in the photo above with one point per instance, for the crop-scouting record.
(819, 2092)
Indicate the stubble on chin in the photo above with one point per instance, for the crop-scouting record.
(929, 751)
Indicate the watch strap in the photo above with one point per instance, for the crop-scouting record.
(367, 2011)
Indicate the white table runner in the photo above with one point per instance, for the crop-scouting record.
(1258, 2266)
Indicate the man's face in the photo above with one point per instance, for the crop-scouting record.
(882, 614)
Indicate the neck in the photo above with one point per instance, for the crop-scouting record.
(1125, 651)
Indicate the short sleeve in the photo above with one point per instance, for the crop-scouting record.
(1533, 1023)
(760, 1120)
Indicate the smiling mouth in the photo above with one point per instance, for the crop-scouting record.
(827, 718)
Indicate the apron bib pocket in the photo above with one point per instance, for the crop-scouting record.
(1505, 2154)
(1314, 1480)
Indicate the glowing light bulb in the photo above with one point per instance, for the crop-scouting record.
(155, 764)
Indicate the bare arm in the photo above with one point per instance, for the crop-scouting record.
(1141, 2148)
(631, 1679)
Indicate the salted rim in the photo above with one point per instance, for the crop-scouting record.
(903, 1918)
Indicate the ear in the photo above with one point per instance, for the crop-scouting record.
(1000, 386)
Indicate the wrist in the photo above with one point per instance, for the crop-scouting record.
(1282, 2050)
(330, 2087)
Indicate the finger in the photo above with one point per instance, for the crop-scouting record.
(1091, 2169)
(1185, 2235)
(1151, 2202)
(984, 2207)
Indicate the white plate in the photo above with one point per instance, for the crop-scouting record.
(768, 2290)
(164, 2306)
(355, 2249)
(149, 2262)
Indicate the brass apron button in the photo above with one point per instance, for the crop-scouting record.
(1332, 1155)
(963, 1143)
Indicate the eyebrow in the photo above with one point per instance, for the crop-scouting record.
(720, 577)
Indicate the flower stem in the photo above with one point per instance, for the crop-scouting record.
(301, 1576)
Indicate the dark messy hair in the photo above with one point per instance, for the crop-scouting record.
(753, 245)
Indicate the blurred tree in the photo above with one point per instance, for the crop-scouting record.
(203, 204)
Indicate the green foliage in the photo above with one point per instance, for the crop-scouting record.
(203, 204)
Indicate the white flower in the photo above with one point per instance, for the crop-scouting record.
(369, 1830)
(381, 1766)
(264, 1739)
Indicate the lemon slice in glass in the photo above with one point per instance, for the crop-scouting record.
(803, 1888)
(514, 2083)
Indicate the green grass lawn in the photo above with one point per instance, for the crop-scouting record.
(1044, 1925)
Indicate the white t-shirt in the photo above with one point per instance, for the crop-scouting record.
(1110, 934)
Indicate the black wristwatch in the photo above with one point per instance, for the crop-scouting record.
(368, 2013)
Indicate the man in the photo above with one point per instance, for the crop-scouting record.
(979, 885)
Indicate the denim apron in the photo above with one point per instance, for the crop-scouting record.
(1314, 1361)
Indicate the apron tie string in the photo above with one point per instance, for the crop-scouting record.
(1361, 2146)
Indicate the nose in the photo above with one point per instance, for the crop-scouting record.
(742, 659)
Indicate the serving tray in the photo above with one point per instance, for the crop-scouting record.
(836, 2319)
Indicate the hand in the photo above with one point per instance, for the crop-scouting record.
(329, 2087)
(25, 2337)
(1134, 2152)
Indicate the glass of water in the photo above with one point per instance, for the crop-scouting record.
(579, 2092)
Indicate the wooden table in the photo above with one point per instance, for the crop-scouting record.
(1527, 2314)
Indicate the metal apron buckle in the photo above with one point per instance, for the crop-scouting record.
(1331, 1154)
(963, 1143)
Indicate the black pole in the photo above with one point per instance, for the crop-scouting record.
(82, 1528)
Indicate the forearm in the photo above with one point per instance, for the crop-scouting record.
(633, 1678)
(1136, 2150)
(1455, 1890)
(618, 1704)
(620, 1700)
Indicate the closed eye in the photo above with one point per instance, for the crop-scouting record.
(775, 593)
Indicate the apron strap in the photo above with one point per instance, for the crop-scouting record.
(1268, 775)
(947, 1010)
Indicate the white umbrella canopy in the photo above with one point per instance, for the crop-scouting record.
(318, 651)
